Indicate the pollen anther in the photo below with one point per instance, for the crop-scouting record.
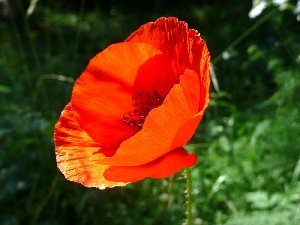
(143, 103)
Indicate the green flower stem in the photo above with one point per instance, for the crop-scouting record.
(170, 192)
(189, 216)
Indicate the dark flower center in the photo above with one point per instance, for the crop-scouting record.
(143, 103)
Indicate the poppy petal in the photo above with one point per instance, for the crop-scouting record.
(183, 46)
(104, 91)
(77, 154)
(177, 117)
(162, 167)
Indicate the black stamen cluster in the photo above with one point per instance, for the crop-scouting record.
(143, 103)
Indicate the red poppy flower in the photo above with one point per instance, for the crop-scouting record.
(134, 107)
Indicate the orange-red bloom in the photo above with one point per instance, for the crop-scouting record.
(134, 107)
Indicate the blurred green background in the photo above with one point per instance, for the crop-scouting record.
(248, 143)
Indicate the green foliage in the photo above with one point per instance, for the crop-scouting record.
(248, 169)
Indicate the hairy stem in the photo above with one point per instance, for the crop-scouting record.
(189, 216)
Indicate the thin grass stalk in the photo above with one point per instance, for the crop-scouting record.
(77, 37)
(244, 35)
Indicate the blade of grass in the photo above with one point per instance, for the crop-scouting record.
(244, 35)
